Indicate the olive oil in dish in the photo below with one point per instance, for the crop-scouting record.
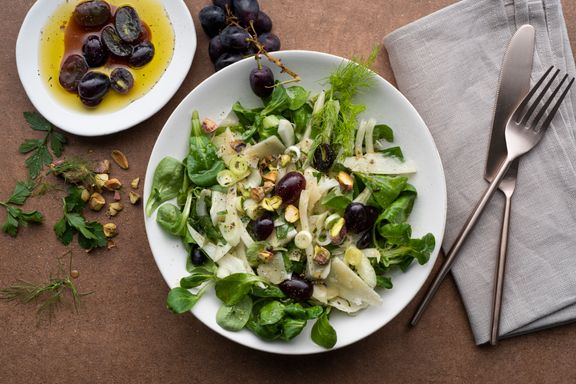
(62, 37)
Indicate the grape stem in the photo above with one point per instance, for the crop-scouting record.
(278, 62)
(231, 19)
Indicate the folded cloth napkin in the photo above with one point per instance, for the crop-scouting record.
(447, 64)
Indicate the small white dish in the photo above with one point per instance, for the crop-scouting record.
(92, 122)
(214, 97)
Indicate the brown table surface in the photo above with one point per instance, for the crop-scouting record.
(124, 333)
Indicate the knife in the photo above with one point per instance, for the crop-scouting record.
(514, 83)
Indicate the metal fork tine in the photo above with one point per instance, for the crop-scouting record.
(547, 103)
(538, 98)
(531, 93)
(548, 120)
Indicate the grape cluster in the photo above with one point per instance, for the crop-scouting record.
(234, 27)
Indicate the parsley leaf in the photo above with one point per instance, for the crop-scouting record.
(40, 154)
(15, 217)
(90, 234)
(22, 191)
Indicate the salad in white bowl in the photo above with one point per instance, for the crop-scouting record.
(291, 211)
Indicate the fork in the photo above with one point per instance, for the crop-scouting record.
(522, 133)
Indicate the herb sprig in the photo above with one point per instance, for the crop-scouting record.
(38, 148)
(346, 82)
(48, 295)
(16, 217)
(90, 234)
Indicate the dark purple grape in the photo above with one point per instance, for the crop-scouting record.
(90, 102)
(356, 217)
(223, 4)
(270, 41)
(212, 19)
(197, 256)
(297, 287)
(372, 214)
(92, 87)
(114, 43)
(234, 38)
(127, 23)
(121, 80)
(71, 71)
(263, 227)
(94, 51)
(290, 186)
(246, 10)
(215, 48)
(226, 59)
(142, 54)
(250, 51)
(365, 240)
(93, 13)
(262, 81)
(263, 23)
(324, 157)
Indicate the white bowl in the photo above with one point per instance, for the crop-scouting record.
(87, 122)
(214, 97)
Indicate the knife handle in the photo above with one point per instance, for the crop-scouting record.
(460, 240)
(501, 265)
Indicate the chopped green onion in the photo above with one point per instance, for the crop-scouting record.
(226, 178)
(239, 166)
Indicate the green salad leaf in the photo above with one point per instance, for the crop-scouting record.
(234, 317)
(202, 162)
(385, 189)
(323, 333)
(166, 182)
(181, 300)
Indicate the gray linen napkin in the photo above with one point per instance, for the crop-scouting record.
(447, 64)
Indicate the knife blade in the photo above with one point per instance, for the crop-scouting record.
(514, 83)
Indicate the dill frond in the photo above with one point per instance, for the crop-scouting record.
(74, 171)
(347, 81)
(323, 126)
(351, 77)
(48, 295)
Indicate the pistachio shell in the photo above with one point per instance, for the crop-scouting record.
(120, 159)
